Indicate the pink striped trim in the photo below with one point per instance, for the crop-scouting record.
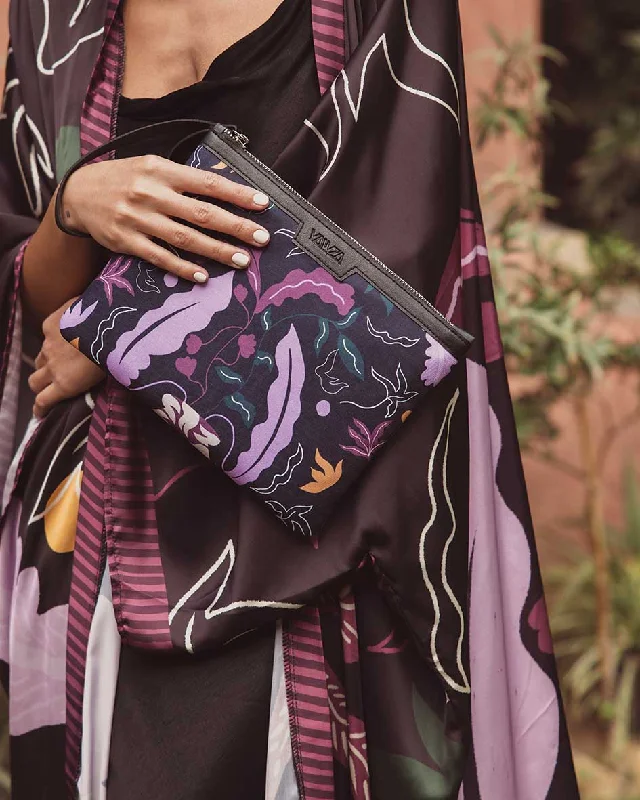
(132, 532)
(328, 35)
(308, 703)
(88, 558)
(83, 596)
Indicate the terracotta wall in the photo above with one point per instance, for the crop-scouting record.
(512, 18)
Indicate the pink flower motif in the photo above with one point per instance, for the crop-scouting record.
(186, 366)
(246, 345)
(240, 293)
(194, 343)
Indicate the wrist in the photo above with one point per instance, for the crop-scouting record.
(67, 218)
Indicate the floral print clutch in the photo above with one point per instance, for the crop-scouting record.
(290, 375)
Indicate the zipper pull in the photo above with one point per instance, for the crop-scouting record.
(231, 132)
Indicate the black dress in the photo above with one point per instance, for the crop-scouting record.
(200, 724)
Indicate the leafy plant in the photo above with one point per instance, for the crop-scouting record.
(551, 312)
(572, 588)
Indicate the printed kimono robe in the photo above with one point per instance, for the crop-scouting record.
(411, 652)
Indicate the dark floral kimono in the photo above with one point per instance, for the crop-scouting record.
(409, 653)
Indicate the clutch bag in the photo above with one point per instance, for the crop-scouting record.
(290, 375)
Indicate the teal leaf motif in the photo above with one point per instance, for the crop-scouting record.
(394, 776)
(368, 289)
(263, 359)
(350, 356)
(228, 375)
(265, 319)
(388, 304)
(67, 148)
(347, 321)
(238, 402)
(443, 750)
(323, 335)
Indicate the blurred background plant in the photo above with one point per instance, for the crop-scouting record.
(555, 313)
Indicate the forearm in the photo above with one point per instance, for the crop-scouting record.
(56, 267)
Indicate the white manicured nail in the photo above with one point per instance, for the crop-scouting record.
(241, 259)
(261, 236)
(260, 199)
(200, 277)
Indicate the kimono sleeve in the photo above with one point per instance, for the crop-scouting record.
(18, 221)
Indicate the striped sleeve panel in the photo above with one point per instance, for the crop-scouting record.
(86, 574)
(308, 702)
(89, 552)
(327, 20)
(137, 578)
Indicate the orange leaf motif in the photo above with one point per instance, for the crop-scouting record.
(323, 478)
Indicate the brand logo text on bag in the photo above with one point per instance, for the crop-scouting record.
(321, 241)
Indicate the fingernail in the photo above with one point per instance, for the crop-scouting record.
(260, 199)
(200, 277)
(241, 259)
(261, 236)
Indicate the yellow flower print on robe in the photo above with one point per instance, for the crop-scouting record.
(323, 478)
(61, 513)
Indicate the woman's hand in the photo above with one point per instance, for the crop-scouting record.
(61, 371)
(125, 203)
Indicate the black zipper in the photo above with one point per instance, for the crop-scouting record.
(416, 306)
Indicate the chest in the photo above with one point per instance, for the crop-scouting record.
(171, 43)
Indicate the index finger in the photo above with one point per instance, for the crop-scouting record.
(211, 184)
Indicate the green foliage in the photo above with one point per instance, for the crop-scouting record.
(518, 100)
(572, 590)
(548, 308)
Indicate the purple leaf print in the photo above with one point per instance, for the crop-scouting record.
(299, 283)
(367, 442)
(163, 330)
(112, 275)
(270, 437)
(38, 640)
(76, 315)
(438, 364)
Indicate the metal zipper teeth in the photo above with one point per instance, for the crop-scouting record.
(331, 224)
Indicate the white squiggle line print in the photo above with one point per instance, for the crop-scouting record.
(454, 528)
(110, 323)
(339, 118)
(465, 687)
(323, 141)
(382, 41)
(454, 297)
(43, 158)
(43, 41)
(35, 201)
(233, 434)
(59, 450)
(276, 483)
(355, 108)
(73, 475)
(211, 612)
(428, 52)
(478, 250)
(387, 338)
(81, 7)
(9, 85)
